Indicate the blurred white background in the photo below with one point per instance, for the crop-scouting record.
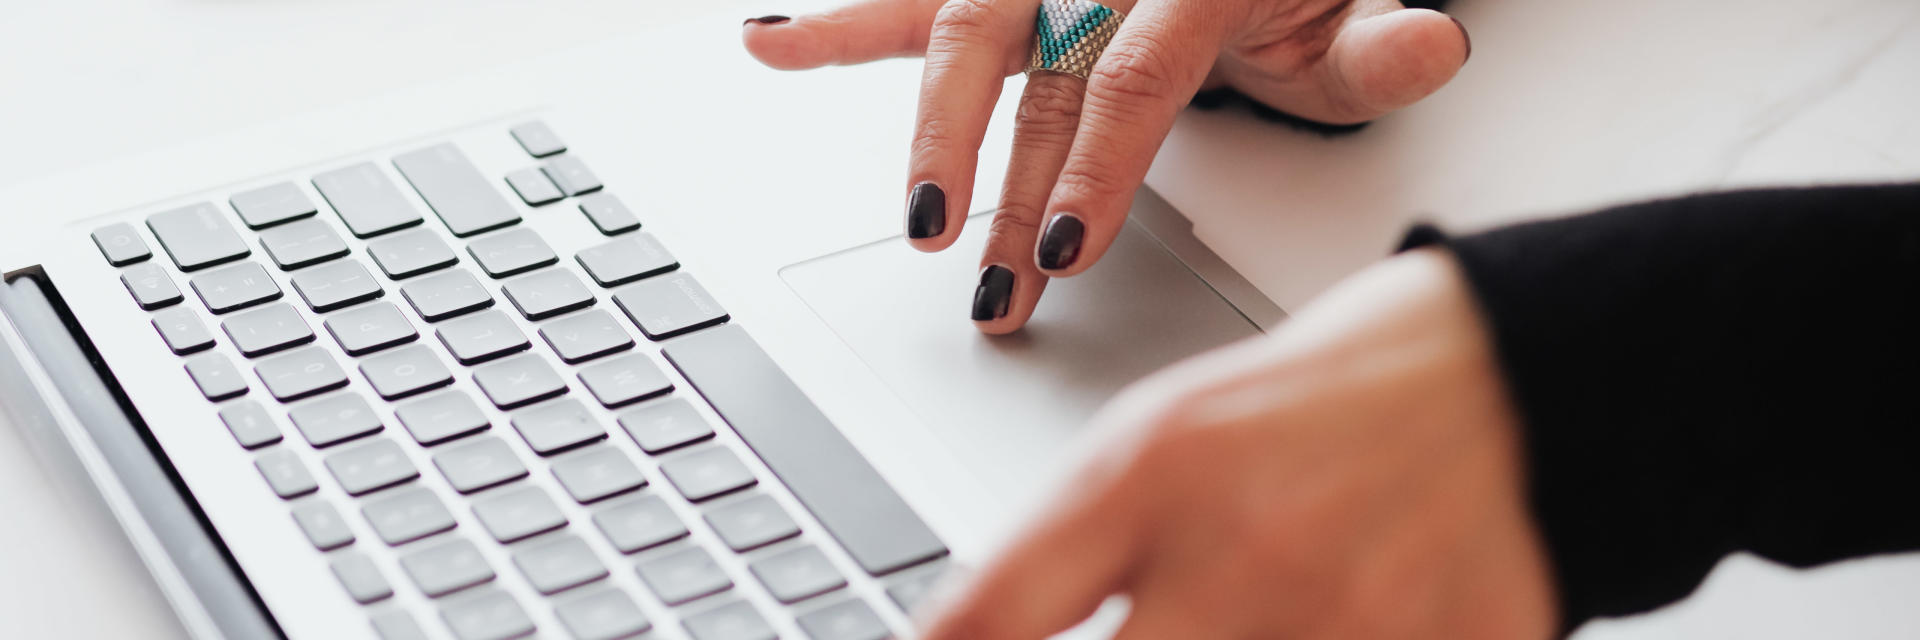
(1566, 104)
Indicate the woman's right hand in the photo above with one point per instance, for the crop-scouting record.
(1081, 147)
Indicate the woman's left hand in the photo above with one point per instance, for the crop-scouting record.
(1081, 147)
(1356, 475)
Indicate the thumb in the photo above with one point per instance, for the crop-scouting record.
(1391, 60)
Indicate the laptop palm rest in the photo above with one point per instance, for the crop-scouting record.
(1009, 406)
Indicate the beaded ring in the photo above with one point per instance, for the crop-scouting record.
(1070, 34)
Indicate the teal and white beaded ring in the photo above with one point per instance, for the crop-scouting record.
(1070, 35)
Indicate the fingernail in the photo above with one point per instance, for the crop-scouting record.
(1060, 242)
(768, 19)
(995, 293)
(1467, 36)
(926, 211)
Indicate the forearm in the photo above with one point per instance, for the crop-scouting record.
(1711, 374)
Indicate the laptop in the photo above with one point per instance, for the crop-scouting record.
(595, 345)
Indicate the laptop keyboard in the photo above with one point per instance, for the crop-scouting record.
(417, 309)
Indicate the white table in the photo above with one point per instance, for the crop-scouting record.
(1566, 105)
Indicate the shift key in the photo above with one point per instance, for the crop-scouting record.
(455, 189)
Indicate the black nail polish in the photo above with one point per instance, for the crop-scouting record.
(926, 211)
(1464, 35)
(768, 19)
(994, 295)
(1060, 242)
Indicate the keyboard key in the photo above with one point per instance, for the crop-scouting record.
(511, 252)
(441, 417)
(336, 285)
(236, 287)
(481, 337)
(411, 253)
(586, 336)
(537, 139)
(370, 328)
(285, 474)
(370, 467)
(608, 214)
(397, 624)
(366, 200)
(478, 464)
(182, 330)
(623, 380)
(669, 305)
(266, 330)
(492, 615)
(626, 260)
(804, 450)
(150, 286)
(608, 614)
(909, 593)
(533, 187)
(465, 200)
(518, 513)
(249, 424)
(362, 580)
(216, 377)
(298, 244)
(446, 567)
(557, 426)
(405, 371)
(572, 175)
(639, 524)
(303, 372)
(548, 293)
(737, 620)
(684, 576)
(597, 473)
(334, 419)
(441, 296)
(323, 525)
(556, 565)
(752, 523)
(519, 381)
(709, 473)
(797, 574)
(197, 236)
(272, 204)
(849, 620)
(407, 515)
(665, 425)
(121, 244)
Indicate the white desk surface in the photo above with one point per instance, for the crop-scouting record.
(1566, 105)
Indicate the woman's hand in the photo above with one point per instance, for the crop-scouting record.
(1358, 474)
(1081, 147)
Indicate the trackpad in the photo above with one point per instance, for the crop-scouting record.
(1008, 406)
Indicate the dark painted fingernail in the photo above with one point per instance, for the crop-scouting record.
(768, 19)
(926, 211)
(994, 295)
(1060, 242)
(1465, 35)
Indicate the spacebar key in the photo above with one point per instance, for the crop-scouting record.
(805, 450)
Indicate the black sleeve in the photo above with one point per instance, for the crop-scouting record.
(1730, 372)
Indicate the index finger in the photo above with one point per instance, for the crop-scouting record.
(1146, 75)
